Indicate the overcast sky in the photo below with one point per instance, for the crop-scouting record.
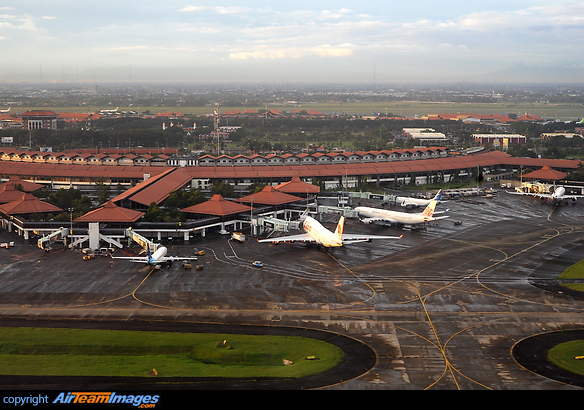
(294, 41)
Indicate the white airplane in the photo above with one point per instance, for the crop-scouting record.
(109, 111)
(316, 233)
(557, 196)
(157, 258)
(410, 202)
(8, 110)
(371, 215)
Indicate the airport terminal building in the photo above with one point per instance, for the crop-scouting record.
(135, 188)
(328, 171)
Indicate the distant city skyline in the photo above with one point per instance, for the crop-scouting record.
(67, 41)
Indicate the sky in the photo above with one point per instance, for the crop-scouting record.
(296, 41)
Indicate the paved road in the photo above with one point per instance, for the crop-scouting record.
(442, 308)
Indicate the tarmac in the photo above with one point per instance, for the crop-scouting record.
(440, 309)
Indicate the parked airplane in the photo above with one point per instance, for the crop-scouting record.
(157, 258)
(557, 196)
(316, 233)
(410, 202)
(370, 215)
(7, 110)
(109, 111)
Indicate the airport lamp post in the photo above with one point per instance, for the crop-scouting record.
(70, 221)
(251, 218)
(70, 210)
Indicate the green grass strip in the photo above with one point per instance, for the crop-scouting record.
(576, 271)
(568, 356)
(87, 352)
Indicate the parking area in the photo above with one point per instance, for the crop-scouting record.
(442, 308)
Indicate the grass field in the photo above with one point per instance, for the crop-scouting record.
(564, 355)
(576, 271)
(402, 108)
(82, 352)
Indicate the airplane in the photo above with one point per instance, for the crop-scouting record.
(410, 202)
(7, 110)
(157, 258)
(109, 111)
(370, 215)
(316, 233)
(557, 196)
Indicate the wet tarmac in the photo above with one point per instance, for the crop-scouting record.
(441, 308)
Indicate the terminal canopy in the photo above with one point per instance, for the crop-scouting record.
(28, 204)
(546, 173)
(110, 212)
(296, 186)
(217, 206)
(269, 196)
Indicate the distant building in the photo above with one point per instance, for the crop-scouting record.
(36, 120)
(424, 134)
(500, 139)
(550, 135)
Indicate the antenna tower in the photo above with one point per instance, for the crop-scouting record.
(216, 119)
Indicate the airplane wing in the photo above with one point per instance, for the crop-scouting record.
(292, 238)
(165, 259)
(178, 258)
(549, 196)
(132, 258)
(352, 238)
(372, 220)
(530, 194)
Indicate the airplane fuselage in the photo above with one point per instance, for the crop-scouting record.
(158, 257)
(412, 202)
(391, 216)
(320, 234)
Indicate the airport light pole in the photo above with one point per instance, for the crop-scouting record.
(251, 218)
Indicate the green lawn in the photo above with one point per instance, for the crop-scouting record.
(576, 271)
(402, 108)
(564, 356)
(81, 352)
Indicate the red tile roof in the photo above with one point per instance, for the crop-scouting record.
(9, 193)
(218, 206)
(110, 212)
(28, 204)
(269, 196)
(158, 188)
(296, 186)
(26, 185)
(26, 169)
(545, 173)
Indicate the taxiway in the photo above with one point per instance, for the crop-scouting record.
(441, 308)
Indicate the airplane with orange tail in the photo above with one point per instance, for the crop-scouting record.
(316, 233)
(371, 215)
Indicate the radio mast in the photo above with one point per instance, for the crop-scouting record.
(216, 119)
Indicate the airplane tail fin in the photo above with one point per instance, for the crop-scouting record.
(340, 228)
(429, 211)
(438, 196)
(303, 215)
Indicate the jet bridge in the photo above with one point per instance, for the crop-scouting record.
(46, 241)
(278, 225)
(145, 243)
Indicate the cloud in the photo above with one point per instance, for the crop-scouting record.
(127, 48)
(267, 53)
(215, 9)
